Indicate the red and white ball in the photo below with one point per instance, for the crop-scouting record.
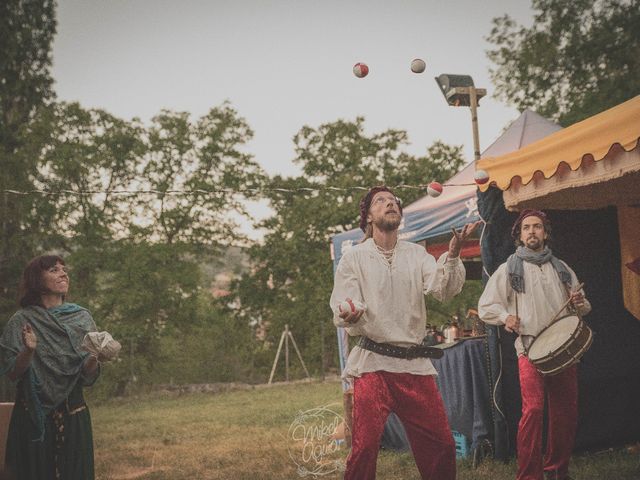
(481, 177)
(360, 70)
(418, 65)
(434, 189)
(347, 306)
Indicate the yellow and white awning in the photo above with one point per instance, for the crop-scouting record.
(591, 164)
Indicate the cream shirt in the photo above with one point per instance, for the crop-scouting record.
(394, 298)
(543, 296)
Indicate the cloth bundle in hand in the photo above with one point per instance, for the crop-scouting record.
(102, 345)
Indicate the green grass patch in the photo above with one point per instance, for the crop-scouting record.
(244, 435)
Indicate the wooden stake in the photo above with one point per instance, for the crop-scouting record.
(284, 338)
(275, 361)
(286, 353)
(295, 345)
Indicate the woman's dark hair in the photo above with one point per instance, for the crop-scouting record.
(31, 286)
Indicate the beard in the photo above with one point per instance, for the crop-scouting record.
(534, 243)
(388, 223)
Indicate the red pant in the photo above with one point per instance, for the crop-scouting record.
(417, 402)
(562, 403)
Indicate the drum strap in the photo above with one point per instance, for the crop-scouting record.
(526, 342)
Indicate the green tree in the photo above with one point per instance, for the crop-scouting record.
(26, 32)
(89, 156)
(293, 274)
(148, 285)
(206, 158)
(140, 292)
(91, 151)
(579, 57)
(137, 259)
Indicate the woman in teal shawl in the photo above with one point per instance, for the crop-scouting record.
(50, 431)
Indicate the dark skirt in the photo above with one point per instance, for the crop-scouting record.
(66, 453)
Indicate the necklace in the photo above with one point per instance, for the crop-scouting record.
(388, 255)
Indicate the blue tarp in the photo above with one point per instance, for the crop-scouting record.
(463, 381)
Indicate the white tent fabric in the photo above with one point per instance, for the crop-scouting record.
(529, 127)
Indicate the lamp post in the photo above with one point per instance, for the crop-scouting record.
(459, 91)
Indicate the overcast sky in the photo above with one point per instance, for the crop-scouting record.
(284, 64)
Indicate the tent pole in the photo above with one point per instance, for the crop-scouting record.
(275, 361)
(473, 97)
(295, 345)
(286, 352)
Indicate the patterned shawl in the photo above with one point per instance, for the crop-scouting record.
(57, 362)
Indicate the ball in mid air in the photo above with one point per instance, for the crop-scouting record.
(434, 189)
(481, 177)
(418, 65)
(360, 70)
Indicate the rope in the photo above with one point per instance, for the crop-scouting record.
(217, 190)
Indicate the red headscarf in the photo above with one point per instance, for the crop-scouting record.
(524, 214)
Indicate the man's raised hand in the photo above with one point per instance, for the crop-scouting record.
(459, 237)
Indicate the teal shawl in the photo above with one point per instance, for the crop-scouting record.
(57, 362)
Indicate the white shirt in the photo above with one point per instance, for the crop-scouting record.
(543, 296)
(394, 298)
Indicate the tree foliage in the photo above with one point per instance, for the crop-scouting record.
(136, 258)
(579, 57)
(26, 32)
(90, 151)
(204, 157)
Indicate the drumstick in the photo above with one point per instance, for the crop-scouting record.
(565, 304)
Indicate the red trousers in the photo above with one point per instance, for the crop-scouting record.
(417, 402)
(562, 403)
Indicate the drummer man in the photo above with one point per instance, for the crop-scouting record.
(524, 294)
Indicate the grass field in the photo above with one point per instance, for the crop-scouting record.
(244, 435)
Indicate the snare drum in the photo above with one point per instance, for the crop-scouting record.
(560, 345)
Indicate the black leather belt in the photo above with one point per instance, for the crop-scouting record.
(408, 353)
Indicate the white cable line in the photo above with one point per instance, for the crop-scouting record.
(217, 190)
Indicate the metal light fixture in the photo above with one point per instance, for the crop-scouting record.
(459, 91)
